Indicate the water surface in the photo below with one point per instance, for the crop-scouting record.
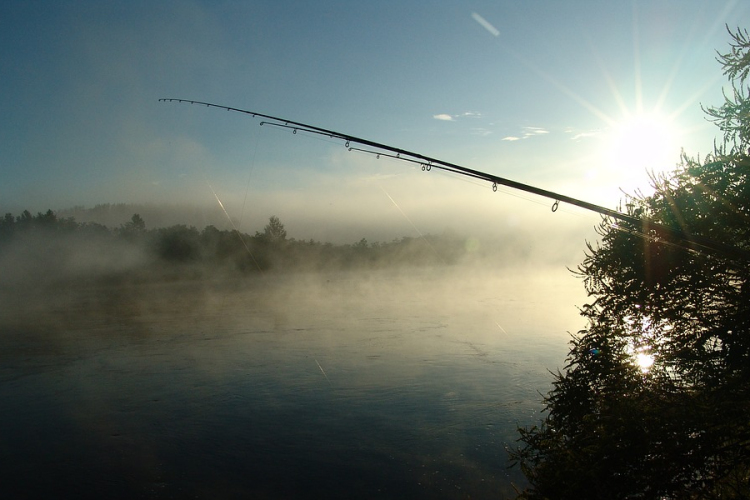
(372, 385)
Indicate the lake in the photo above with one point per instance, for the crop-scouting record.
(384, 384)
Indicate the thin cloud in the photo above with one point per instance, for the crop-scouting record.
(449, 118)
(583, 135)
(532, 131)
(527, 132)
(485, 24)
(480, 131)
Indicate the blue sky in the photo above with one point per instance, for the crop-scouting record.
(567, 96)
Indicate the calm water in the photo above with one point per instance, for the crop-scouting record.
(378, 385)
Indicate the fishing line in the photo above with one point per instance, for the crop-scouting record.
(402, 212)
(249, 177)
(324, 373)
(562, 208)
(236, 230)
(677, 236)
(280, 131)
(472, 181)
(412, 224)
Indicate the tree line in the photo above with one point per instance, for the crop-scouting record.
(269, 249)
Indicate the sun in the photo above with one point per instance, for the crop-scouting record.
(634, 146)
(642, 143)
(644, 361)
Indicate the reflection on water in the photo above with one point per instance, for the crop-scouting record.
(340, 386)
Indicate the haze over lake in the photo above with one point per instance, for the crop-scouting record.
(377, 384)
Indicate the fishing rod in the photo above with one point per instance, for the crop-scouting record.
(642, 225)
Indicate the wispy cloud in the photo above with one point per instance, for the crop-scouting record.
(527, 132)
(532, 131)
(584, 134)
(449, 118)
(481, 131)
(485, 24)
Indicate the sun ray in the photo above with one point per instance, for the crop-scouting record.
(637, 63)
(694, 98)
(646, 136)
(560, 86)
(640, 132)
(611, 84)
(667, 87)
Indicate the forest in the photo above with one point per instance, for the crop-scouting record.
(59, 248)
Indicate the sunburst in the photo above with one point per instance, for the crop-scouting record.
(642, 142)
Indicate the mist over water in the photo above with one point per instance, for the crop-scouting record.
(379, 384)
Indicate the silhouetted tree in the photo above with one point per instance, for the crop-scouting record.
(25, 220)
(136, 223)
(134, 228)
(617, 428)
(274, 231)
(47, 220)
(7, 227)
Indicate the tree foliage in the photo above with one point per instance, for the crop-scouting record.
(274, 231)
(134, 228)
(679, 428)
